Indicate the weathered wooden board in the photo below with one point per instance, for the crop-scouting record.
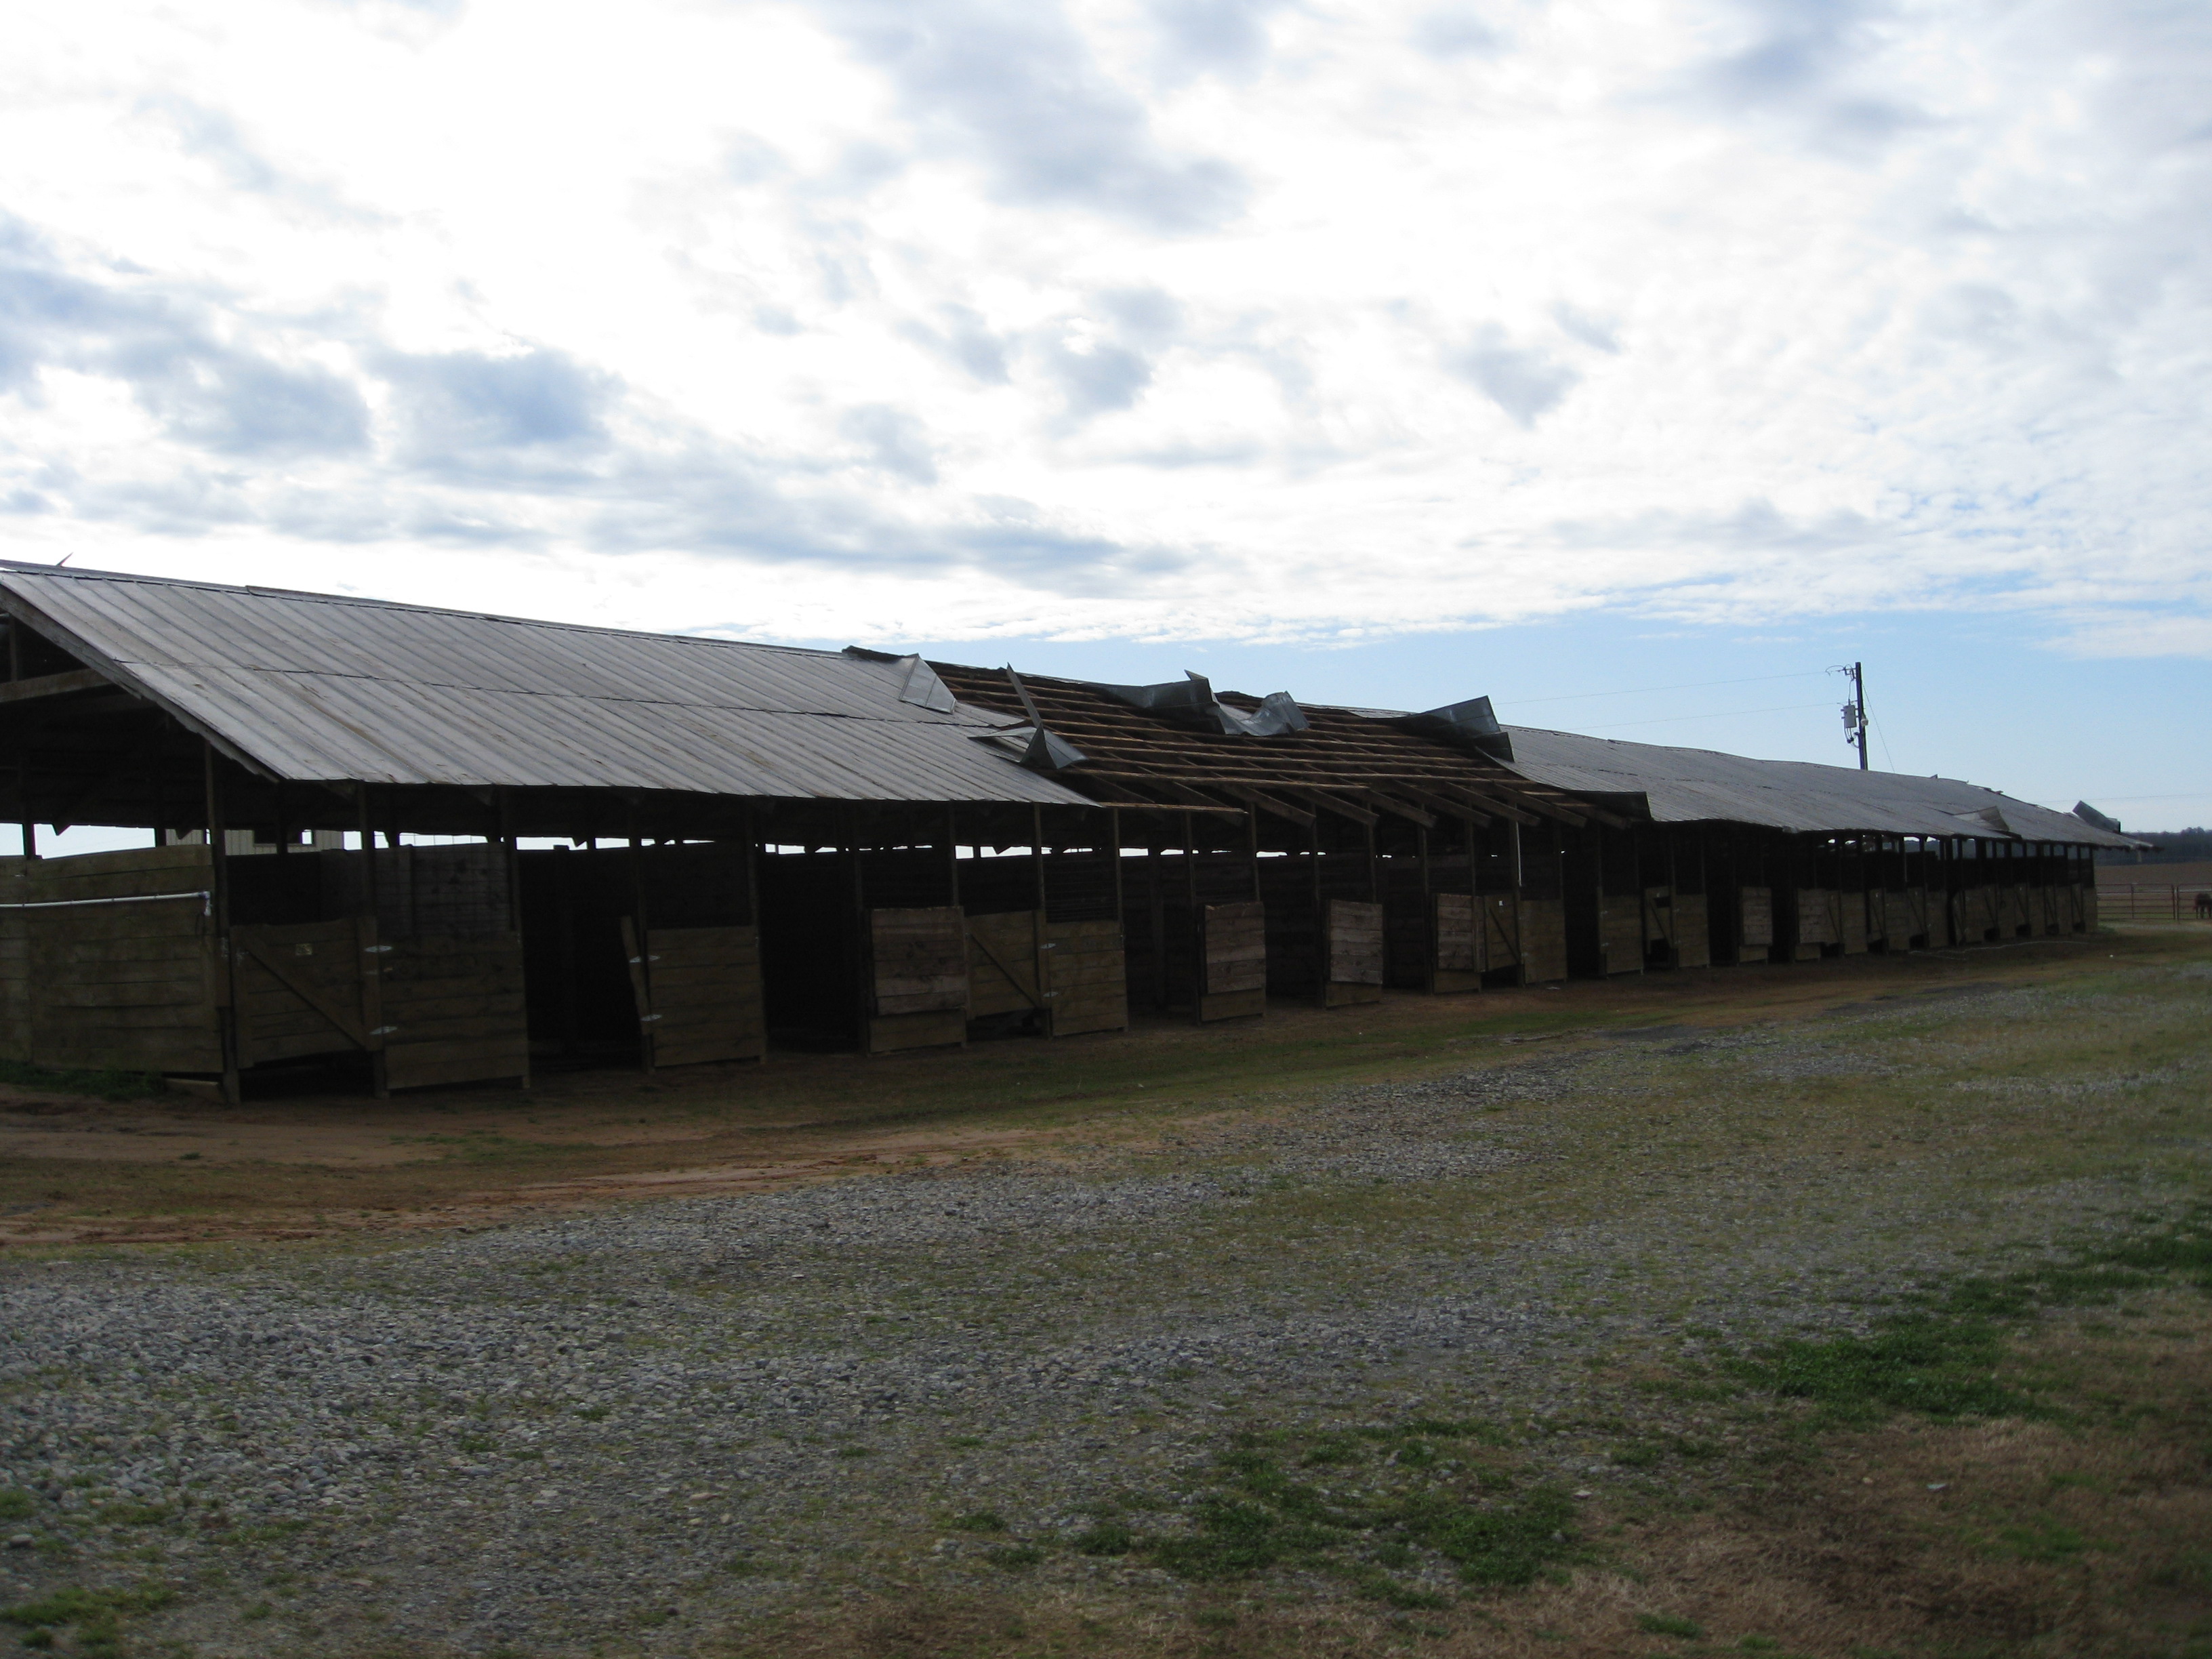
(1543, 941)
(936, 1029)
(1659, 917)
(918, 958)
(1355, 942)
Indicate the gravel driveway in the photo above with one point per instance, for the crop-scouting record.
(622, 1430)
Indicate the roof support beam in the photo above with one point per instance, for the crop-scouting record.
(1401, 808)
(1269, 804)
(1437, 804)
(53, 685)
(1338, 804)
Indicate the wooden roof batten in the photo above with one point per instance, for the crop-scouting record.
(1334, 763)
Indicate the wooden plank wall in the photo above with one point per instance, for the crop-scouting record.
(132, 986)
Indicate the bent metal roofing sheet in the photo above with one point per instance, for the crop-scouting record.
(1687, 785)
(326, 688)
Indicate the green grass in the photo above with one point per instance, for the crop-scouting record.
(1939, 1358)
(1423, 1497)
(94, 1617)
(1667, 1624)
(16, 1505)
(100, 1086)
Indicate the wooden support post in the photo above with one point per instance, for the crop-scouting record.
(1114, 852)
(1320, 915)
(372, 935)
(1157, 898)
(511, 856)
(860, 951)
(1429, 911)
(637, 937)
(1037, 854)
(952, 855)
(1374, 869)
(219, 904)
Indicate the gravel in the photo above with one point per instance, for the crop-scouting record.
(646, 1422)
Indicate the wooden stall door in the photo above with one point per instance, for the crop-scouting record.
(1661, 926)
(1621, 934)
(1233, 955)
(1501, 934)
(1819, 922)
(1457, 930)
(1754, 923)
(1355, 953)
(1543, 940)
(918, 962)
(304, 988)
(1006, 965)
(698, 994)
(1086, 977)
(1902, 923)
(1693, 946)
(453, 1010)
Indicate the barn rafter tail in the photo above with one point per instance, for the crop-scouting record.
(437, 846)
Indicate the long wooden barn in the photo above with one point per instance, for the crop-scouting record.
(443, 847)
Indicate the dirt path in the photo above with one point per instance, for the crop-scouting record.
(311, 1165)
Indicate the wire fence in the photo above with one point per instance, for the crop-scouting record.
(2148, 902)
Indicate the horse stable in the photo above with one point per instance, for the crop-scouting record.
(439, 847)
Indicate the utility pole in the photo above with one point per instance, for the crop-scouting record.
(1855, 714)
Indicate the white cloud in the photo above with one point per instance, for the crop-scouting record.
(1225, 318)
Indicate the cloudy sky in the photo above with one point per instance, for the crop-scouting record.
(1397, 350)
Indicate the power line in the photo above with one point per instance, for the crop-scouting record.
(1634, 691)
(1726, 714)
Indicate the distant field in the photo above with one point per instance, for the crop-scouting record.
(2198, 874)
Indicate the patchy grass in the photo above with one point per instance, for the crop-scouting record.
(97, 1085)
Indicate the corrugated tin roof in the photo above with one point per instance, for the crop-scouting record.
(327, 688)
(1689, 785)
